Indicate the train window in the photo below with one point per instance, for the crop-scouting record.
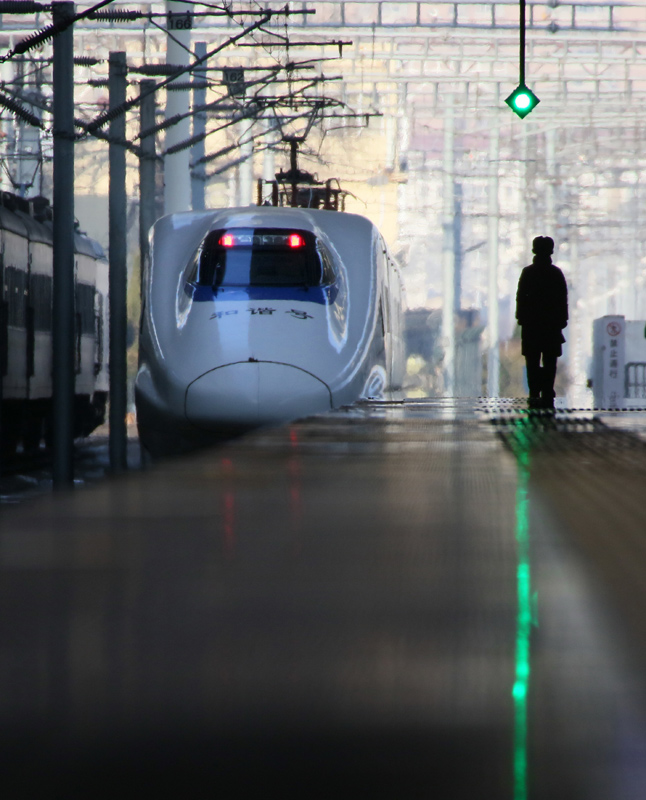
(261, 257)
(41, 301)
(16, 293)
(85, 307)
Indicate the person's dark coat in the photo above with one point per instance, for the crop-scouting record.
(541, 307)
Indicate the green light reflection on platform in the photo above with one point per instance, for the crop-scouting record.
(523, 619)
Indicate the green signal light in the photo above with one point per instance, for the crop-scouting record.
(522, 100)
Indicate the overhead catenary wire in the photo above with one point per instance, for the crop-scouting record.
(108, 116)
(40, 37)
(20, 111)
(252, 112)
(22, 7)
(92, 127)
(168, 123)
(259, 104)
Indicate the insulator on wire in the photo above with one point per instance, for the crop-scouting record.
(222, 152)
(38, 38)
(177, 148)
(167, 123)
(22, 7)
(109, 115)
(182, 87)
(116, 16)
(156, 69)
(87, 61)
(20, 111)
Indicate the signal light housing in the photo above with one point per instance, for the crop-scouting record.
(522, 100)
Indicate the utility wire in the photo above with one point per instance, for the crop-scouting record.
(113, 113)
(42, 36)
(254, 113)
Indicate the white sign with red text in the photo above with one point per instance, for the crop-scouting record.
(609, 345)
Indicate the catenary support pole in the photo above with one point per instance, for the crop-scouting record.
(457, 247)
(551, 183)
(118, 271)
(198, 173)
(245, 171)
(177, 174)
(147, 165)
(269, 161)
(63, 366)
(493, 356)
(448, 254)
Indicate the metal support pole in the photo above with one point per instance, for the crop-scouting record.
(118, 272)
(147, 166)
(493, 359)
(448, 254)
(63, 240)
(522, 43)
(198, 173)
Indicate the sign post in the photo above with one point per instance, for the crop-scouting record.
(609, 348)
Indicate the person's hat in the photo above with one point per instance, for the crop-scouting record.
(543, 245)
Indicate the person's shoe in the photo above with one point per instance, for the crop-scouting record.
(534, 402)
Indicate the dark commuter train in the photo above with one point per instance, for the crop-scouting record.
(26, 282)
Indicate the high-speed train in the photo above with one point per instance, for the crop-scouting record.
(255, 316)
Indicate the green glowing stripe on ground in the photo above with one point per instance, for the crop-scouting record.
(523, 623)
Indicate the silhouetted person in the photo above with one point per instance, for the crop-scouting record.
(542, 313)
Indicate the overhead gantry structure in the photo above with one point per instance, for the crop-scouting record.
(437, 72)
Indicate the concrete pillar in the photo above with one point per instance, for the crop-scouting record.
(177, 176)
(448, 252)
(198, 175)
(493, 355)
(551, 177)
(245, 171)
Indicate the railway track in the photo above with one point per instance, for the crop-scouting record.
(28, 475)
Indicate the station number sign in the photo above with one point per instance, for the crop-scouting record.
(179, 22)
(233, 78)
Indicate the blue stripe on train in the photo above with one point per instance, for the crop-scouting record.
(324, 295)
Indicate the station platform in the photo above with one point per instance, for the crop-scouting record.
(419, 599)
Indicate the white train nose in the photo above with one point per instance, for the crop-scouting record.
(254, 393)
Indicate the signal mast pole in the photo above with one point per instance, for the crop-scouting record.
(63, 236)
(118, 268)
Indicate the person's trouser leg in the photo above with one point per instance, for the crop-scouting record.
(548, 376)
(533, 364)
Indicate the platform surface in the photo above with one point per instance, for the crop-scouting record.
(427, 599)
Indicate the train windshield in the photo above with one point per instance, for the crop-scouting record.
(261, 257)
